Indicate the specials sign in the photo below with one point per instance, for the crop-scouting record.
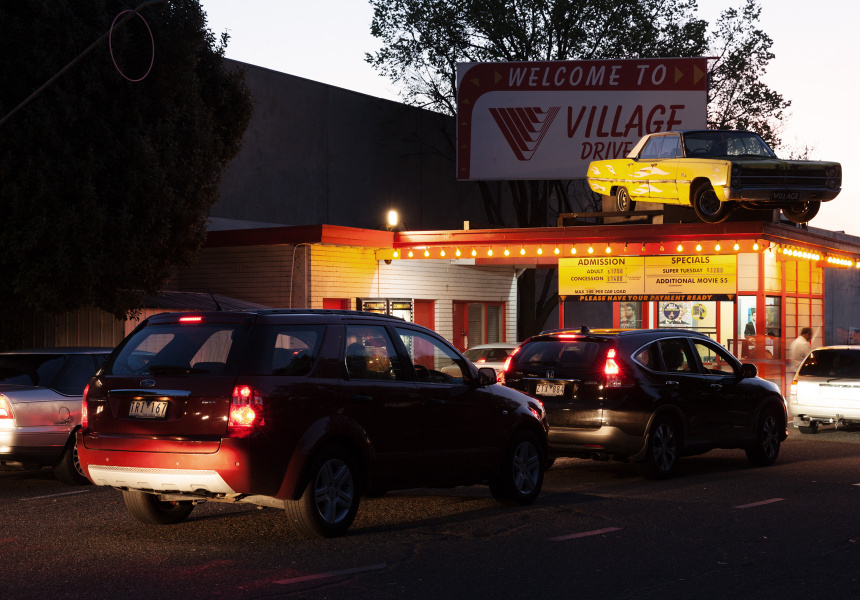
(648, 278)
(548, 120)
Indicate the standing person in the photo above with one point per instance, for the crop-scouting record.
(800, 348)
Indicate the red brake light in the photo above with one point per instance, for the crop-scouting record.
(612, 370)
(611, 367)
(5, 408)
(246, 410)
(190, 319)
(85, 413)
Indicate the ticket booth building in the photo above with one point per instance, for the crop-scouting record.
(752, 286)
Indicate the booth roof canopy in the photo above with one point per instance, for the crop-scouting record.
(545, 245)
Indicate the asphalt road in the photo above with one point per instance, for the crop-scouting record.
(720, 529)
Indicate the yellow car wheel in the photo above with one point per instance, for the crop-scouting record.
(708, 206)
(623, 200)
(802, 212)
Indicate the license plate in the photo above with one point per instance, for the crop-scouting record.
(549, 389)
(148, 409)
(790, 196)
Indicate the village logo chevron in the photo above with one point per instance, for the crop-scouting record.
(524, 127)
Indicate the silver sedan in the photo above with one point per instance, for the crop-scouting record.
(40, 407)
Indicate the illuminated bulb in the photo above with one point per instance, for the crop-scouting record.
(457, 253)
(540, 251)
(474, 252)
(698, 247)
(396, 254)
(680, 248)
(442, 253)
(718, 247)
(573, 250)
(507, 252)
(426, 253)
(522, 251)
(556, 251)
(410, 254)
(608, 249)
(755, 246)
(737, 246)
(490, 252)
(590, 250)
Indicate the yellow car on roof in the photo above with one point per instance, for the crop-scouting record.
(716, 172)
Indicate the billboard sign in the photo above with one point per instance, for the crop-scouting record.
(648, 278)
(548, 120)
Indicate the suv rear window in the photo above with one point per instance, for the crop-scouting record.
(572, 354)
(171, 349)
(832, 363)
(284, 349)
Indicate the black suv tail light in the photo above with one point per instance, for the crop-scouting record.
(612, 371)
(246, 410)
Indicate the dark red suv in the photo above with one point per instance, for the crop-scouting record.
(300, 409)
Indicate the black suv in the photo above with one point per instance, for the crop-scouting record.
(648, 396)
(303, 410)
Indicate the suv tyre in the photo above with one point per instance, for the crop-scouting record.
(147, 508)
(766, 447)
(663, 449)
(330, 501)
(521, 476)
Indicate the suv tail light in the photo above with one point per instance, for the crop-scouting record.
(5, 408)
(85, 413)
(246, 410)
(612, 370)
(792, 392)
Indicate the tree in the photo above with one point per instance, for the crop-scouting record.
(423, 40)
(105, 183)
(737, 96)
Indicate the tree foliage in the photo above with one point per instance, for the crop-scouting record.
(423, 40)
(104, 183)
(737, 96)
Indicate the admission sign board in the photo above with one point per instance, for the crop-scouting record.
(648, 278)
(548, 120)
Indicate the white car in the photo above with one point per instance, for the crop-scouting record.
(491, 355)
(826, 389)
(40, 407)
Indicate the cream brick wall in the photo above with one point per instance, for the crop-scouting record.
(276, 276)
(339, 272)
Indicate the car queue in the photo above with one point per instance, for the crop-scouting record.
(308, 410)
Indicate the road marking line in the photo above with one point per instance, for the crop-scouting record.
(331, 574)
(763, 502)
(55, 495)
(561, 538)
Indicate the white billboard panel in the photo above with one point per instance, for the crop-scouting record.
(548, 120)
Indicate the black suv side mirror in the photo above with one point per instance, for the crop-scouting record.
(486, 376)
(748, 371)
